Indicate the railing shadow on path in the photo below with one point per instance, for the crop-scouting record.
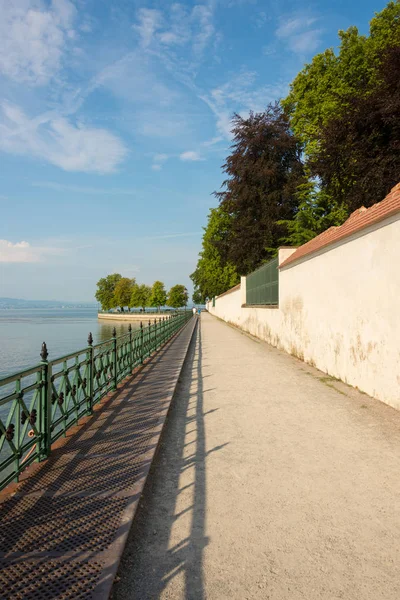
(72, 504)
(166, 544)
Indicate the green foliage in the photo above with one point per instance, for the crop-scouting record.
(297, 169)
(315, 214)
(359, 161)
(105, 291)
(197, 297)
(321, 90)
(214, 274)
(345, 109)
(177, 296)
(123, 292)
(140, 296)
(158, 295)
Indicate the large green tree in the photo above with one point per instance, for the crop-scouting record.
(343, 108)
(359, 161)
(321, 91)
(263, 171)
(158, 295)
(316, 213)
(140, 296)
(123, 292)
(177, 296)
(214, 274)
(105, 291)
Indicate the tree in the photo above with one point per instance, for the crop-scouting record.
(316, 213)
(123, 292)
(178, 296)
(264, 170)
(105, 291)
(321, 91)
(359, 161)
(343, 108)
(158, 295)
(214, 274)
(197, 297)
(140, 296)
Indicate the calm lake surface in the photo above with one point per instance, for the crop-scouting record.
(22, 332)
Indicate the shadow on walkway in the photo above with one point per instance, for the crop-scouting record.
(168, 538)
(62, 525)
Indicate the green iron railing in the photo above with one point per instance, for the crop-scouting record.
(137, 311)
(262, 286)
(38, 405)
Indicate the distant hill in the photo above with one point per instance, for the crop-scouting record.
(20, 303)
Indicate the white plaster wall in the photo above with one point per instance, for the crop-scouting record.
(339, 310)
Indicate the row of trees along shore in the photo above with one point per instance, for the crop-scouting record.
(115, 291)
(309, 160)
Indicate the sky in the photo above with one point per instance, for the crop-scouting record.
(115, 122)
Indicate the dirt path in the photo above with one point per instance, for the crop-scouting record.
(270, 484)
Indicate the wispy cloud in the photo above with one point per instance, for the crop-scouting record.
(241, 94)
(180, 26)
(34, 37)
(158, 161)
(23, 252)
(190, 156)
(167, 236)
(73, 147)
(149, 21)
(260, 19)
(298, 31)
(78, 189)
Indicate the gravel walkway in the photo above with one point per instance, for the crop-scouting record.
(273, 481)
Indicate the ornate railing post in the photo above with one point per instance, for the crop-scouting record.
(115, 359)
(130, 347)
(45, 407)
(141, 344)
(155, 335)
(150, 340)
(90, 359)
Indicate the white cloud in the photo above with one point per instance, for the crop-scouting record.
(240, 95)
(158, 161)
(150, 20)
(215, 140)
(78, 189)
(298, 33)
(260, 19)
(160, 158)
(23, 252)
(34, 37)
(168, 236)
(190, 155)
(177, 27)
(203, 16)
(72, 147)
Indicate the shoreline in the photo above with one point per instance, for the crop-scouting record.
(133, 316)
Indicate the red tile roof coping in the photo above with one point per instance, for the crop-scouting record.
(358, 220)
(229, 291)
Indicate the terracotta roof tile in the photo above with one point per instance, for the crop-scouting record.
(230, 291)
(359, 219)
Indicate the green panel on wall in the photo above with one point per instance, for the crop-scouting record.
(262, 286)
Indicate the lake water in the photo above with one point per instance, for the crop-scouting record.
(22, 332)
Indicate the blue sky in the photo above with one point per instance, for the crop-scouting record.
(115, 121)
